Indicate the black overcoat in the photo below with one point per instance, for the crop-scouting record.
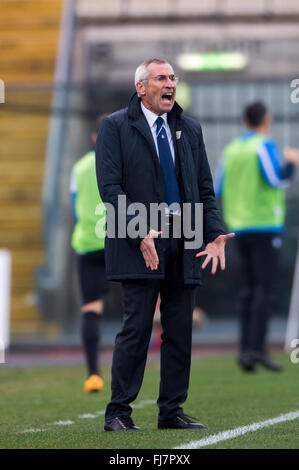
(127, 164)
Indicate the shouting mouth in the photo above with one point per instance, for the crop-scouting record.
(167, 99)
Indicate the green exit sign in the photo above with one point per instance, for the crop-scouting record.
(212, 61)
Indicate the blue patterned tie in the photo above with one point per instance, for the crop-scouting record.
(167, 166)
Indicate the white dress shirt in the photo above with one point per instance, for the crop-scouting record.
(151, 120)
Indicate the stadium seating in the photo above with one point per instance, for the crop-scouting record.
(29, 33)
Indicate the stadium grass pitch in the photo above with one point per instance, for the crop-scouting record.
(46, 408)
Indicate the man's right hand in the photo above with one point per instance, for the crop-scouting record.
(148, 249)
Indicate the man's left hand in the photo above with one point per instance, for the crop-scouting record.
(215, 250)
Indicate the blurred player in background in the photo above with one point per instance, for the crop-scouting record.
(90, 257)
(250, 180)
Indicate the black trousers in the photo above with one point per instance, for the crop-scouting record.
(131, 345)
(260, 258)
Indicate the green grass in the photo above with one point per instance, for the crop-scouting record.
(220, 396)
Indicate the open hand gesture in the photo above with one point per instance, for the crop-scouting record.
(215, 250)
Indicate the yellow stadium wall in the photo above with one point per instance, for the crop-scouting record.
(29, 35)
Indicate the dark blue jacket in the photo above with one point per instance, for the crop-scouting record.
(127, 163)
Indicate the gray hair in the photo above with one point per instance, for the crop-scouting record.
(142, 72)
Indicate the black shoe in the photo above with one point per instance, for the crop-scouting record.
(180, 421)
(246, 362)
(266, 361)
(121, 423)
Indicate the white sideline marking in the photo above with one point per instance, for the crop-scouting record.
(142, 404)
(30, 430)
(87, 415)
(232, 433)
(62, 423)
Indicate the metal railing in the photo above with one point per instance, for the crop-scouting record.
(47, 276)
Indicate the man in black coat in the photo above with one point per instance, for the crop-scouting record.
(150, 153)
